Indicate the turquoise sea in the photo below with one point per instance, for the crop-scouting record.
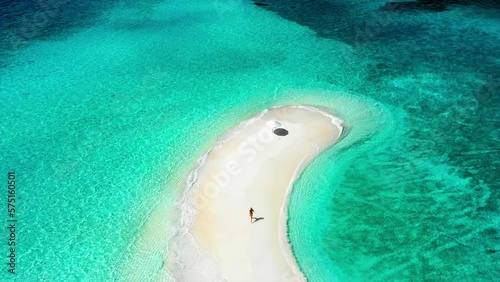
(107, 106)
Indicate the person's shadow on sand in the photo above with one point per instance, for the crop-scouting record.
(257, 219)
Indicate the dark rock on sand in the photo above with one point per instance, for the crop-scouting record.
(281, 132)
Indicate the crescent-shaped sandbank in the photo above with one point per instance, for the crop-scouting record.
(253, 167)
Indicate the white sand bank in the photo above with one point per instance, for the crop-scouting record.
(256, 168)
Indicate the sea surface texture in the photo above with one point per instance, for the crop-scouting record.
(106, 107)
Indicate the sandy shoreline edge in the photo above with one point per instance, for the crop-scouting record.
(248, 166)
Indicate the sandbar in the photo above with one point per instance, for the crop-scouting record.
(254, 167)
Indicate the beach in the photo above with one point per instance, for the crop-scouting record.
(254, 167)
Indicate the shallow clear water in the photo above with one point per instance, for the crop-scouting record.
(105, 113)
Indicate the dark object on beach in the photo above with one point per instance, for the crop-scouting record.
(280, 132)
(261, 4)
